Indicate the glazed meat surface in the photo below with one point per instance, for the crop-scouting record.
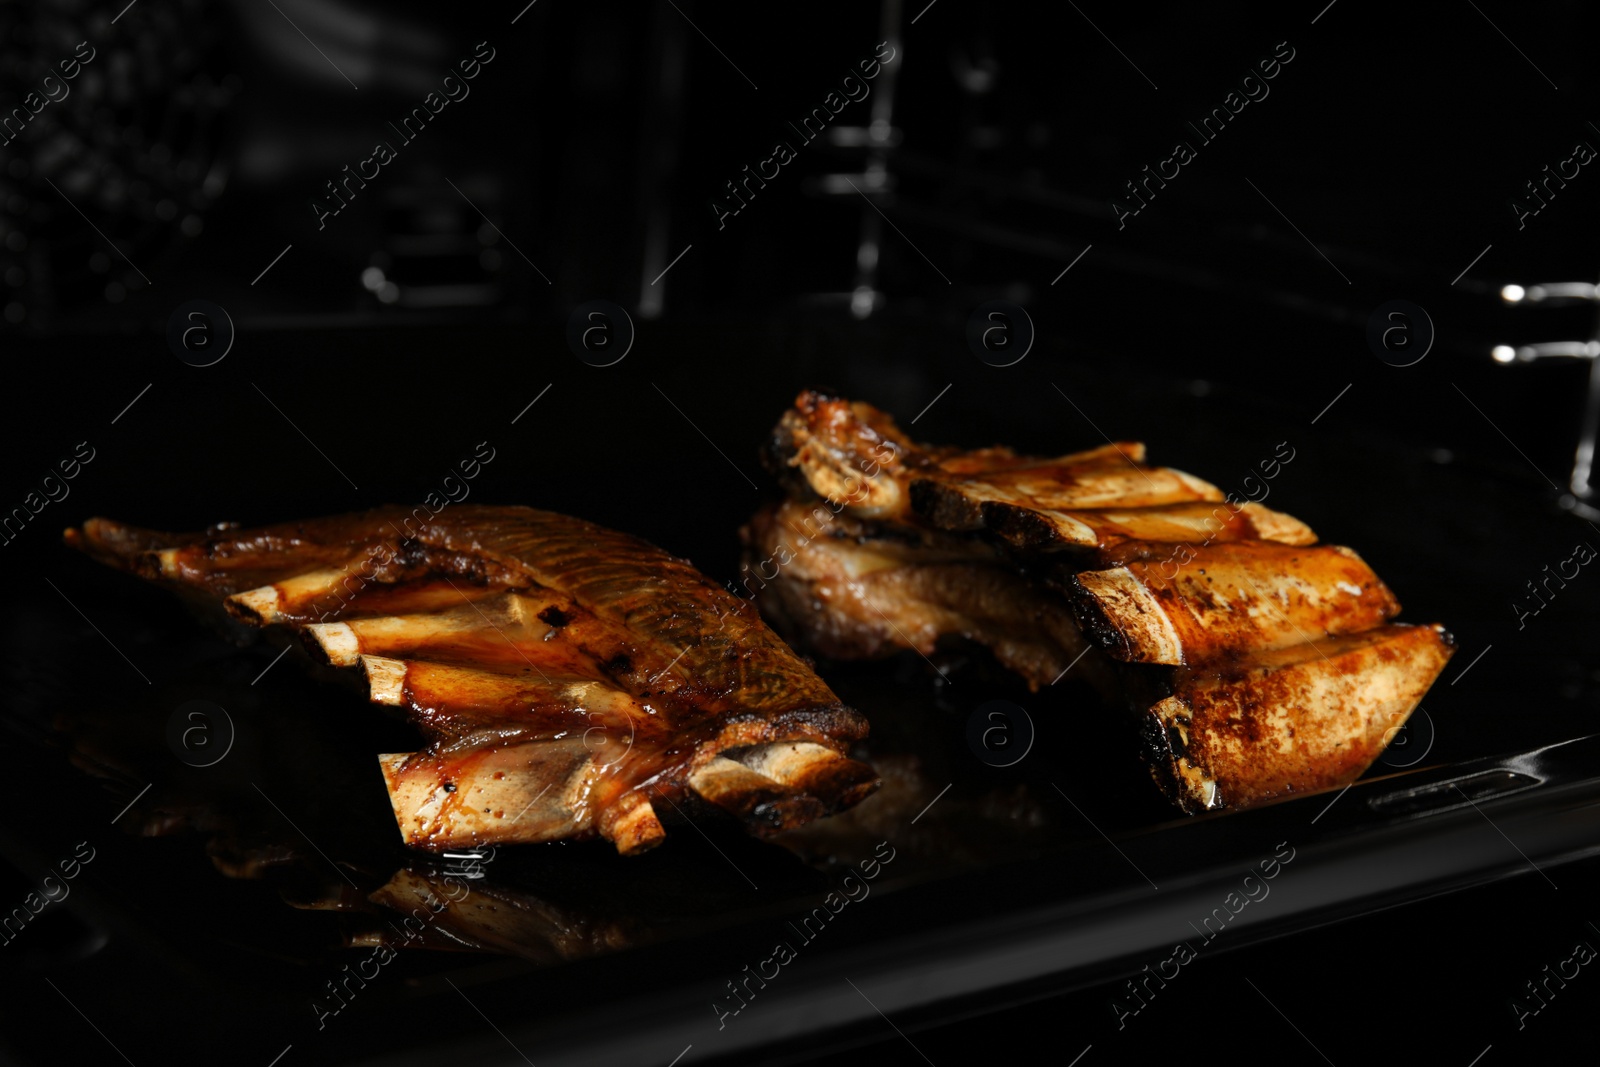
(1259, 662)
(565, 677)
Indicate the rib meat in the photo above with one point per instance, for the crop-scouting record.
(565, 677)
(1260, 662)
(850, 589)
(1307, 716)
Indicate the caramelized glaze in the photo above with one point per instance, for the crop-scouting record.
(563, 675)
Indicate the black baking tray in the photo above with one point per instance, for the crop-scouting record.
(1008, 885)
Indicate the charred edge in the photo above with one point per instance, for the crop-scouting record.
(313, 647)
(764, 809)
(781, 447)
(1021, 526)
(410, 558)
(1162, 748)
(826, 724)
(839, 784)
(147, 564)
(944, 507)
(246, 611)
(1097, 627)
(773, 813)
(1155, 745)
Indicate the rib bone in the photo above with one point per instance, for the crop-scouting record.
(957, 503)
(1227, 600)
(1303, 718)
(562, 675)
(1190, 521)
(1273, 656)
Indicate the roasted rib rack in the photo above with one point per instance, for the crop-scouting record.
(1259, 662)
(565, 677)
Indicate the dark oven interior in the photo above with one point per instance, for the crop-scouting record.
(1002, 157)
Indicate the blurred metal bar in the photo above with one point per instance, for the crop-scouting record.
(1583, 491)
(1553, 292)
(662, 120)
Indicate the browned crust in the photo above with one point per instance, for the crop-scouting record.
(522, 644)
(1203, 604)
(1305, 718)
(1153, 565)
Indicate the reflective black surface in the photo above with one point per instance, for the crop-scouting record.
(1005, 890)
(373, 347)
